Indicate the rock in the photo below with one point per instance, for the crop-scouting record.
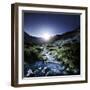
(29, 72)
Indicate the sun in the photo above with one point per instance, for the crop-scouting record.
(46, 36)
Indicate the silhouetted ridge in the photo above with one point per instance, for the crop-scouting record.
(36, 40)
(32, 40)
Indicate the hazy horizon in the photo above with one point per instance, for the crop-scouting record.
(50, 36)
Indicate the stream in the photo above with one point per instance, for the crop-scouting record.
(50, 67)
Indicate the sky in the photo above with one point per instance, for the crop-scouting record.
(38, 23)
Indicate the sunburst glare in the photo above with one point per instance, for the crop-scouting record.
(46, 36)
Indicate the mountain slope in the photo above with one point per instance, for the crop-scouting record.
(67, 35)
(72, 35)
(32, 40)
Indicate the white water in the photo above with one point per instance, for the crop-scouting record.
(50, 57)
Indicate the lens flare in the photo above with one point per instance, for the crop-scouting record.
(46, 36)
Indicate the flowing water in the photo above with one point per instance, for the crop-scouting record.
(50, 67)
(50, 57)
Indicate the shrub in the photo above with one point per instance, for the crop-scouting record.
(32, 54)
(70, 55)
